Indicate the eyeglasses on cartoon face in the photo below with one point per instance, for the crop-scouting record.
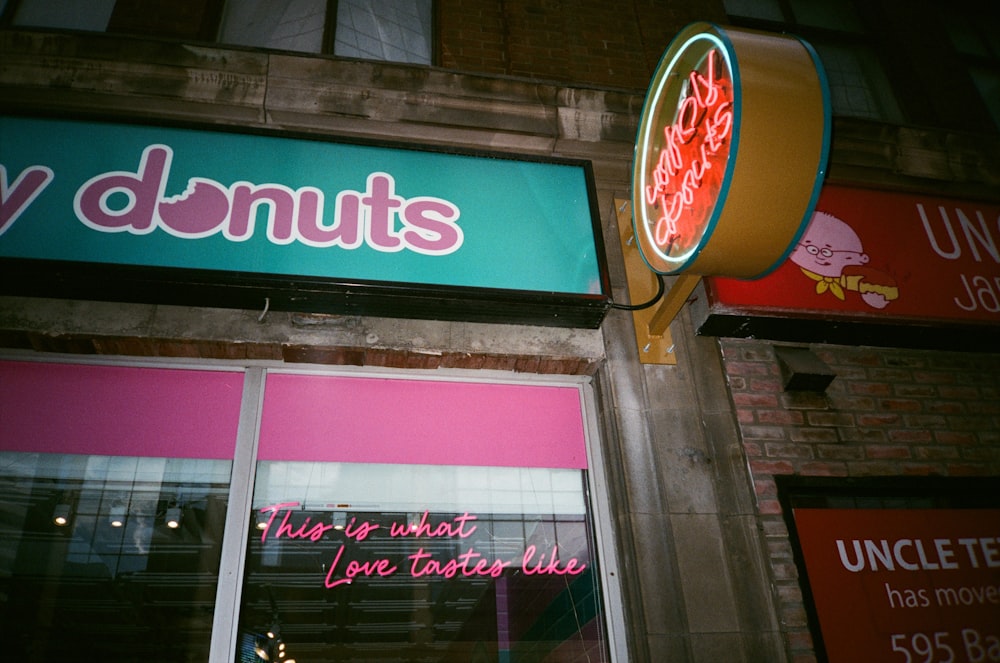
(814, 250)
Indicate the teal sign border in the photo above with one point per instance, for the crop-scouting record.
(151, 202)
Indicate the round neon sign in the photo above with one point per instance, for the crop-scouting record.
(731, 152)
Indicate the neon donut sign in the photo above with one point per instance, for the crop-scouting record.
(714, 137)
(681, 184)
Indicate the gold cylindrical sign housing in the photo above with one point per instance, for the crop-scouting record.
(731, 152)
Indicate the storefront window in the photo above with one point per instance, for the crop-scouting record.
(367, 562)
(109, 558)
(114, 491)
(150, 513)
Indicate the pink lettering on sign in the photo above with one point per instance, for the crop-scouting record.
(136, 202)
(469, 563)
(15, 198)
(378, 567)
(687, 178)
(303, 531)
(457, 527)
(531, 566)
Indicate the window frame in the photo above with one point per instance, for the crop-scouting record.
(211, 30)
(235, 534)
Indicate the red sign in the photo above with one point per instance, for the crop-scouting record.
(871, 252)
(904, 586)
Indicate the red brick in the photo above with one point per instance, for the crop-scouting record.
(755, 400)
(883, 452)
(766, 385)
(797, 640)
(908, 436)
(818, 469)
(870, 388)
(750, 368)
(783, 417)
(896, 375)
(936, 453)
(769, 507)
(804, 434)
(933, 377)
(862, 435)
(860, 358)
(765, 487)
(839, 452)
(774, 527)
(793, 615)
(905, 361)
(759, 467)
(922, 469)
(901, 404)
(784, 570)
(787, 450)
(763, 433)
(915, 390)
(966, 469)
(852, 403)
(925, 421)
(805, 400)
(959, 392)
(879, 419)
(830, 419)
(945, 407)
(789, 593)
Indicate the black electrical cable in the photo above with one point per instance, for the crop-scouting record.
(661, 288)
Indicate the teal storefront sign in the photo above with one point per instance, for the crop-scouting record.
(238, 219)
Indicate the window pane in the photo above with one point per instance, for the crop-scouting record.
(394, 30)
(830, 14)
(858, 86)
(988, 84)
(372, 562)
(768, 10)
(90, 15)
(296, 25)
(111, 579)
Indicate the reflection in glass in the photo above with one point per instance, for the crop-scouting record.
(444, 564)
(77, 587)
(293, 26)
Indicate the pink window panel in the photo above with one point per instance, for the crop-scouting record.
(375, 420)
(118, 410)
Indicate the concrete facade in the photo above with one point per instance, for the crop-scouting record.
(691, 448)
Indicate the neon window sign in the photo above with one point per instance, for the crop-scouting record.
(683, 161)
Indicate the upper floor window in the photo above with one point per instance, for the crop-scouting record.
(859, 86)
(975, 35)
(391, 30)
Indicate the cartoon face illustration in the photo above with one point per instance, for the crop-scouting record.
(831, 255)
(828, 246)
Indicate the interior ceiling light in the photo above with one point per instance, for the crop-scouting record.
(60, 516)
(173, 517)
(117, 516)
(339, 520)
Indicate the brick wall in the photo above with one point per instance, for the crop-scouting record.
(593, 42)
(887, 413)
